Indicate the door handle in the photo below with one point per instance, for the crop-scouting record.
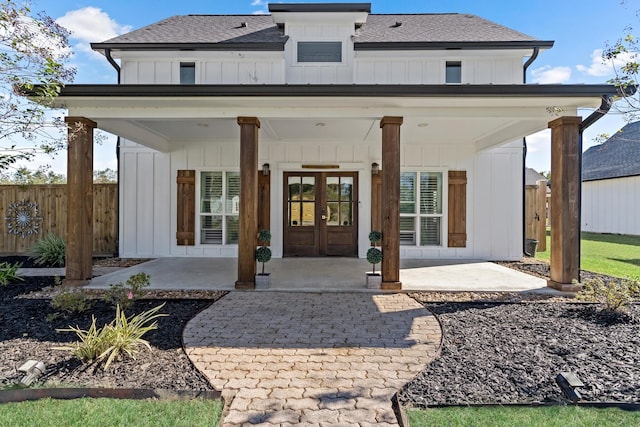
(323, 217)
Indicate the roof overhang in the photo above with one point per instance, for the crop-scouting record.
(334, 90)
(279, 46)
(319, 7)
(160, 116)
(312, 12)
(445, 45)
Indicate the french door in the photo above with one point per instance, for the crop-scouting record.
(320, 214)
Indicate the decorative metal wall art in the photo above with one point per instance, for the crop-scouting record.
(22, 218)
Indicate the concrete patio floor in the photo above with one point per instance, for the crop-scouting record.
(329, 275)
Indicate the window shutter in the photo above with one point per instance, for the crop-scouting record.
(185, 233)
(457, 209)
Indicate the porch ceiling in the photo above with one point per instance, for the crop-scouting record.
(161, 122)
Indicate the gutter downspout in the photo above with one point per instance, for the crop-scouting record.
(114, 64)
(534, 55)
(605, 106)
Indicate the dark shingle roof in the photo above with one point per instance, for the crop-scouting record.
(379, 29)
(206, 29)
(618, 157)
(442, 27)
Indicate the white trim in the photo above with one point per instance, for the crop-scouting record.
(198, 212)
(444, 225)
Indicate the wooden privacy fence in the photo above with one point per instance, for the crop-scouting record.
(535, 199)
(30, 212)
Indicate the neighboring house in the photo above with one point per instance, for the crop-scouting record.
(611, 184)
(323, 122)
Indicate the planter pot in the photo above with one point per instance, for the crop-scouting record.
(263, 281)
(374, 281)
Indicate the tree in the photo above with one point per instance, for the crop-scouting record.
(33, 55)
(624, 57)
(24, 176)
(105, 176)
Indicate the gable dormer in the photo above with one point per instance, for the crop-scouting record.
(320, 39)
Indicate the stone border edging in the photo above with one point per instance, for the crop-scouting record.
(30, 394)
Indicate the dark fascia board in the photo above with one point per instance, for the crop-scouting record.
(519, 44)
(492, 90)
(320, 7)
(610, 177)
(279, 46)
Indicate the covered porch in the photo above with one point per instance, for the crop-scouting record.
(330, 274)
(472, 119)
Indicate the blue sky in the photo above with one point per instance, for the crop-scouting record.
(579, 28)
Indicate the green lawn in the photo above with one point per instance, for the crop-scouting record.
(554, 416)
(111, 412)
(613, 254)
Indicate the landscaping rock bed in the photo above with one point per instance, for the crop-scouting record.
(27, 333)
(511, 353)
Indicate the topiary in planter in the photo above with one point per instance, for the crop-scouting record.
(374, 255)
(263, 253)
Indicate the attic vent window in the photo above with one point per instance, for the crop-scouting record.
(319, 51)
(187, 73)
(453, 72)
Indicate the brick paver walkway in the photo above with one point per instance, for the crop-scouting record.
(311, 359)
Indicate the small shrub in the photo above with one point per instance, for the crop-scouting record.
(49, 251)
(124, 295)
(615, 297)
(71, 301)
(122, 335)
(9, 273)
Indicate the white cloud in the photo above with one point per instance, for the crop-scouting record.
(262, 4)
(601, 68)
(91, 24)
(549, 75)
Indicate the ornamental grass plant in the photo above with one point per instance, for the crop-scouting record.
(122, 336)
(50, 251)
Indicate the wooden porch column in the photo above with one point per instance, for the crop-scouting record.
(565, 203)
(391, 202)
(79, 238)
(248, 227)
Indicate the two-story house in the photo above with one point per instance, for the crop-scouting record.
(322, 122)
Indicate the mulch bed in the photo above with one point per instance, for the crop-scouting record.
(492, 352)
(27, 333)
(512, 352)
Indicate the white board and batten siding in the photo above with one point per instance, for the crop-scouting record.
(219, 68)
(611, 206)
(148, 208)
(406, 67)
(498, 203)
(357, 67)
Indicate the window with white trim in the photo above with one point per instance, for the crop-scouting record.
(421, 208)
(219, 207)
